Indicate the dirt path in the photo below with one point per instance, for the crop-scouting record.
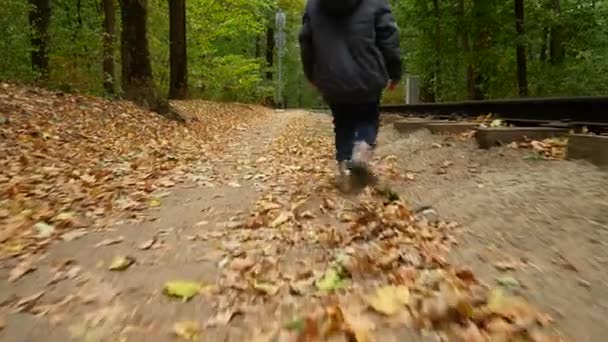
(277, 254)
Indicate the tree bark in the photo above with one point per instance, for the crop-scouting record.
(39, 18)
(436, 58)
(178, 85)
(481, 44)
(465, 44)
(137, 80)
(522, 67)
(109, 28)
(557, 52)
(269, 51)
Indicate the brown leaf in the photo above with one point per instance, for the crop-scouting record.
(222, 318)
(147, 244)
(2, 323)
(12, 227)
(187, 330)
(281, 219)
(20, 270)
(26, 303)
(389, 300)
(110, 241)
(242, 264)
(74, 234)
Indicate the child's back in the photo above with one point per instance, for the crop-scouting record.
(350, 52)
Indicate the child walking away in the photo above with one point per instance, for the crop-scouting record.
(350, 53)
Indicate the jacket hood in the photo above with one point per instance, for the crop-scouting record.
(339, 8)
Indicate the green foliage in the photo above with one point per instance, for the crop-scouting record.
(227, 47)
(15, 42)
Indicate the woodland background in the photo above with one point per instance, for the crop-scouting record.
(225, 50)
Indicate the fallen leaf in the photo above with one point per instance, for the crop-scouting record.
(508, 281)
(389, 300)
(27, 302)
(110, 241)
(242, 264)
(121, 263)
(330, 281)
(154, 202)
(2, 322)
(74, 234)
(184, 290)
(12, 226)
(73, 272)
(44, 230)
(187, 330)
(282, 218)
(201, 223)
(266, 288)
(504, 266)
(20, 270)
(147, 244)
(222, 318)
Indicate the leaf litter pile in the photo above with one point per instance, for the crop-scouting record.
(307, 264)
(73, 162)
(317, 265)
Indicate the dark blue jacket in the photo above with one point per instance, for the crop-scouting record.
(350, 48)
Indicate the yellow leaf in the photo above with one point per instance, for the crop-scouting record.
(182, 289)
(187, 330)
(121, 263)
(155, 202)
(267, 288)
(389, 300)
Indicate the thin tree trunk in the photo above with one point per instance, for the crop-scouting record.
(543, 51)
(137, 80)
(522, 68)
(436, 58)
(178, 86)
(481, 43)
(463, 37)
(257, 46)
(109, 28)
(269, 51)
(39, 18)
(556, 48)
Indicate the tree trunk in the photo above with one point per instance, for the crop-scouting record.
(137, 80)
(269, 51)
(109, 28)
(465, 44)
(178, 87)
(557, 52)
(522, 68)
(436, 58)
(481, 44)
(40, 17)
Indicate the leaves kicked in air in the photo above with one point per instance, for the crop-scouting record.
(182, 289)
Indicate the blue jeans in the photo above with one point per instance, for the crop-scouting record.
(354, 123)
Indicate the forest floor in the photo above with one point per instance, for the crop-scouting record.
(117, 225)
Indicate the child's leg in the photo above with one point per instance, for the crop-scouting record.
(344, 129)
(366, 131)
(368, 121)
